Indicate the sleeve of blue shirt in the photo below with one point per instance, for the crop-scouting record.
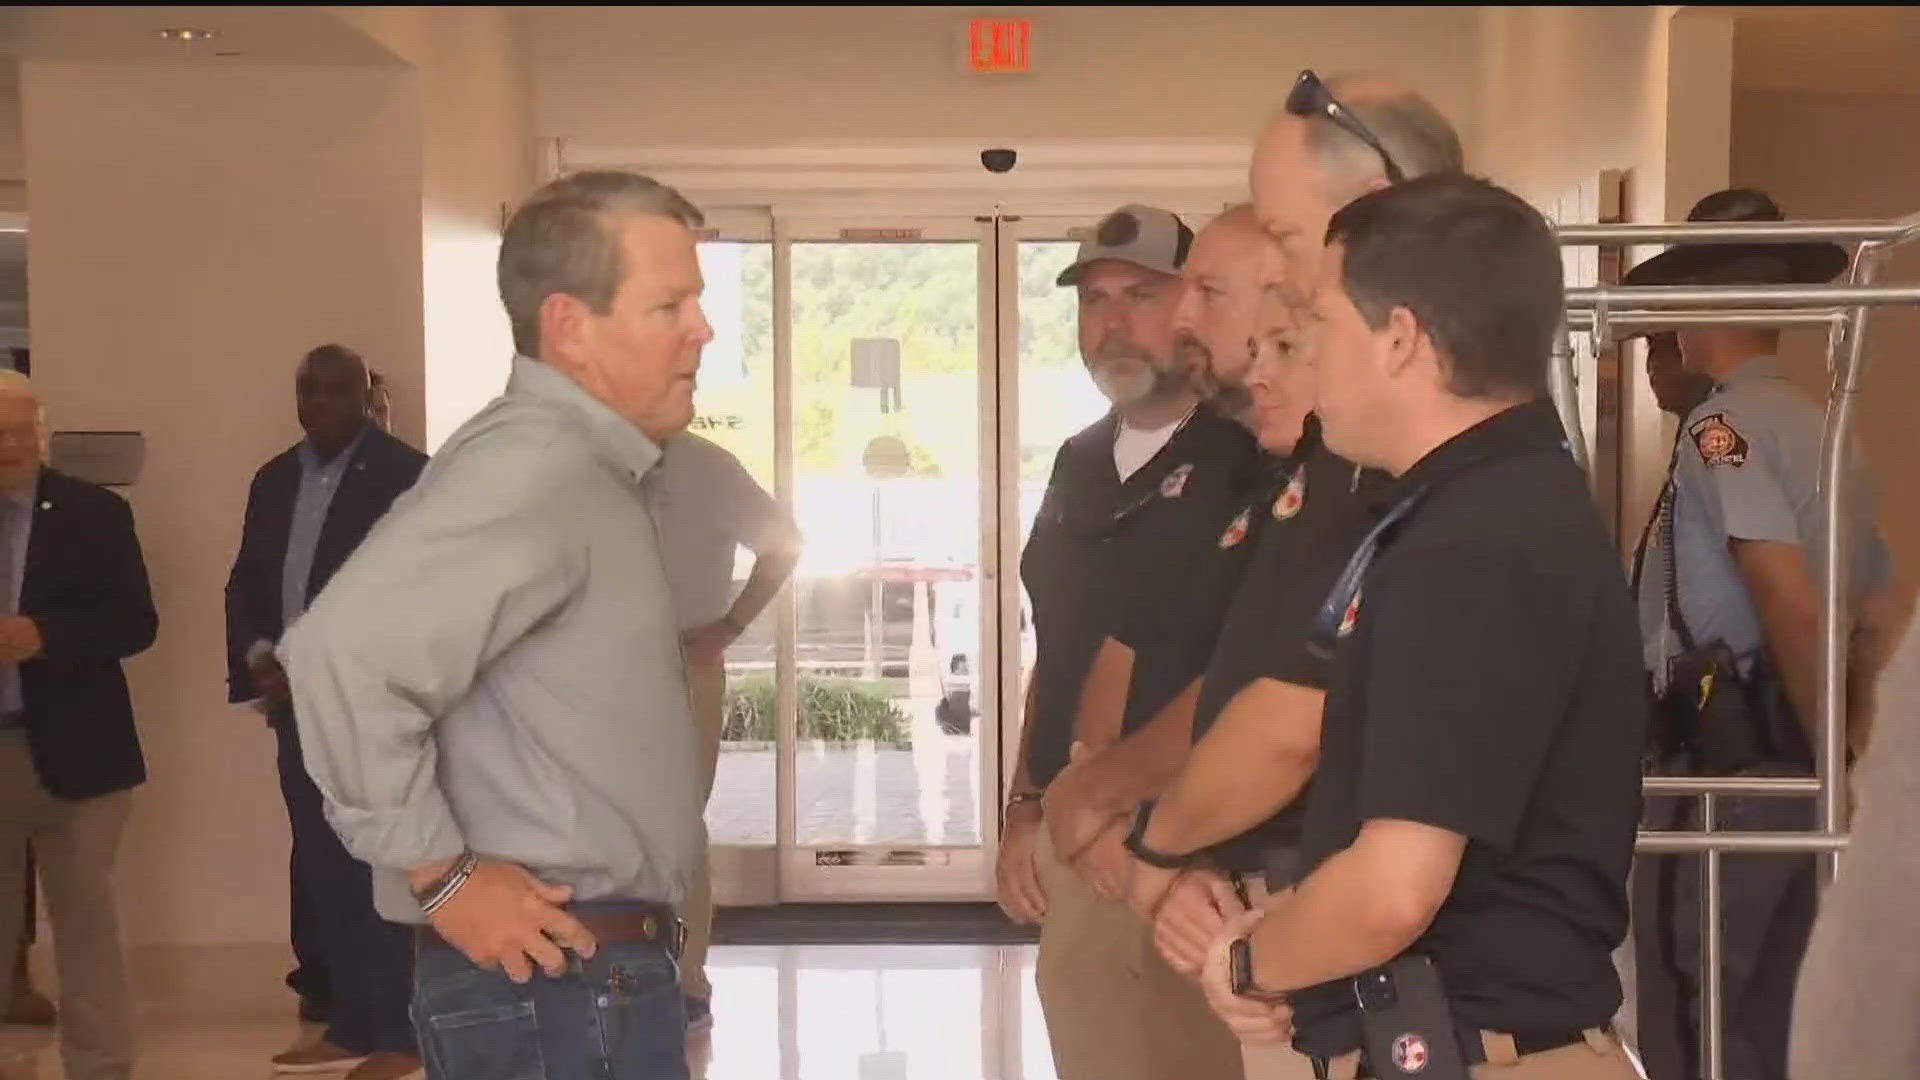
(1734, 457)
(461, 569)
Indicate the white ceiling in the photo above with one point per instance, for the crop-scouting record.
(259, 35)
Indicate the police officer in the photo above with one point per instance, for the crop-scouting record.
(1727, 571)
(1466, 840)
(1132, 492)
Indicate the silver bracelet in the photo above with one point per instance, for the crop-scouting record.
(445, 889)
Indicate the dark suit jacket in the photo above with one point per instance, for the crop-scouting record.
(382, 469)
(85, 587)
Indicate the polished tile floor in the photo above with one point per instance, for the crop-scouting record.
(949, 1012)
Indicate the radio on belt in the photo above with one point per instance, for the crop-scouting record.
(1405, 1025)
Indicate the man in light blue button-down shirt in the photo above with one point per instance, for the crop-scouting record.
(497, 671)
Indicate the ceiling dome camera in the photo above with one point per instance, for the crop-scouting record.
(999, 161)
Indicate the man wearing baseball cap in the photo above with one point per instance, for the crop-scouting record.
(1728, 591)
(1132, 498)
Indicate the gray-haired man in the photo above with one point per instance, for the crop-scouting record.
(491, 693)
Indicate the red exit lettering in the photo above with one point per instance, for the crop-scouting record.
(1000, 45)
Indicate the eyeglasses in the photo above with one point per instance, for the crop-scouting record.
(1310, 98)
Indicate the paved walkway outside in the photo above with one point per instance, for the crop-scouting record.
(854, 793)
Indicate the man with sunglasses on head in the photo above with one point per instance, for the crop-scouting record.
(1130, 498)
(1337, 139)
(1466, 841)
(1225, 830)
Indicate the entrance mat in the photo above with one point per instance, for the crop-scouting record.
(870, 924)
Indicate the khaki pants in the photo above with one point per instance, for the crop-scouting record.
(707, 688)
(74, 844)
(1600, 1057)
(1114, 1009)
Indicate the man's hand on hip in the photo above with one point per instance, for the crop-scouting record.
(707, 646)
(269, 679)
(505, 917)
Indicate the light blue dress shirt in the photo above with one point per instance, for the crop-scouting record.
(19, 533)
(498, 666)
(318, 484)
(1747, 467)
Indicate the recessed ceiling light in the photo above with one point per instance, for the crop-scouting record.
(188, 33)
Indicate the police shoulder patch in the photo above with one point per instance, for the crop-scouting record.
(1719, 444)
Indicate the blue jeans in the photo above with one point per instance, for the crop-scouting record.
(618, 1016)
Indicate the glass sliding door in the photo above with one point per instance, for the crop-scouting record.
(734, 407)
(888, 761)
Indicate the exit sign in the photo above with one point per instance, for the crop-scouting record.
(998, 46)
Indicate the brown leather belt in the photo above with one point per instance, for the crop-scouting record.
(615, 923)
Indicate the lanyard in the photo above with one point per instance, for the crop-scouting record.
(1331, 619)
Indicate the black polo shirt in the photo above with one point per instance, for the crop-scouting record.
(1097, 541)
(1486, 679)
(1312, 518)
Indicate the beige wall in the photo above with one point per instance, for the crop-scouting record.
(1852, 156)
(13, 166)
(1569, 91)
(767, 76)
(195, 230)
(478, 156)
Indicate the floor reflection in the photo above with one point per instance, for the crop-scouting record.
(813, 1012)
(875, 1013)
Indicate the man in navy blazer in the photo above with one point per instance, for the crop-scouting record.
(74, 603)
(308, 509)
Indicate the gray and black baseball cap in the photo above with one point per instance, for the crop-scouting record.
(1145, 236)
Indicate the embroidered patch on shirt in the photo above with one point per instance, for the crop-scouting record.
(1176, 482)
(1351, 618)
(1292, 499)
(1237, 531)
(1719, 444)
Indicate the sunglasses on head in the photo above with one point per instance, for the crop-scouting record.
(1310, 98)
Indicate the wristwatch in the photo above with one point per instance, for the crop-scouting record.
(1136, 843)
(1240, 973)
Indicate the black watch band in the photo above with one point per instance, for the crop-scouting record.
(1136, 843)
(1240, 973)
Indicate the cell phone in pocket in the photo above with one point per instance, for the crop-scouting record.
(1406, 1025)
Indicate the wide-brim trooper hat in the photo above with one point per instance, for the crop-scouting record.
(1799, 263)
(1145, 236)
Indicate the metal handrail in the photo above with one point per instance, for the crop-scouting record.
(1844, 310)
(1751, 296)
(1764, 843)
(1897, 231)
(1583, 320)
(1761, 786)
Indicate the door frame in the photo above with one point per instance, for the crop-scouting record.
(785, 872)
(955, 872)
